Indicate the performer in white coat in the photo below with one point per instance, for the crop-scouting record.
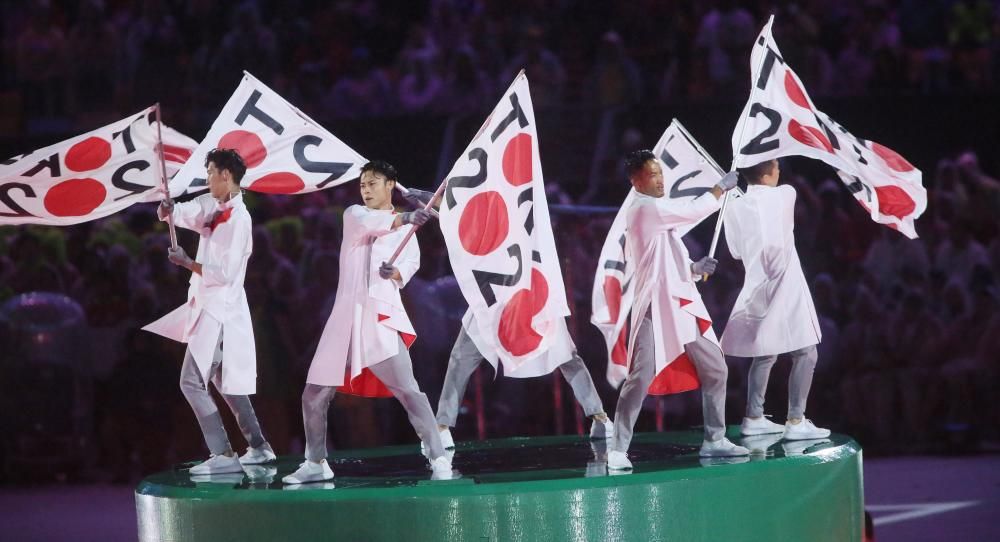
(365, 341)
(470, 350)
(668, 316)
(215, 321)
(774, 312)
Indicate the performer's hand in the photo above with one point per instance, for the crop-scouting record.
(704, 266)
(177, 256)
(387, 271)
(418, 198)
(417, 218)
(728, 181)
(166, 207)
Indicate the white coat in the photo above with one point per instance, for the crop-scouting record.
(368, 317)
(560, 350)
(216, 301)
(663, 280)
(774, 312)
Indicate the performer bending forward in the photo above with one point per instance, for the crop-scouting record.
(215, 321)
(368, 332)
(668, 317)
(470, 351)
(774, 312)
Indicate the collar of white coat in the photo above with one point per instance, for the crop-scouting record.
(235, 201)
(758, 187)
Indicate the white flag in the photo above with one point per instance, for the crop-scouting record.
(688, 172)
(92, 175)
(495, 221)
(285, 151)
(780, 120)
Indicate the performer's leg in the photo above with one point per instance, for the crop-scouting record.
(397, 375)
(800, 380)
(242, 410)
(196, 392)
(712, 372)
(760, 370)
(636, 385)
(464, 360)
(576, 374)
(315, 409)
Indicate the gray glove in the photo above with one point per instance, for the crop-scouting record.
(177, 256)
(386, 271)
(728, 181)
(704, 266)
(418, 198)
(417, 218)
(166, 207)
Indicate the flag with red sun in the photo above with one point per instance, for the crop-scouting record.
(92, 175)
(495, 221)
(781, 120)
(285, 151)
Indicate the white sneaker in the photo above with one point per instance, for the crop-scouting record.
(259, 455)
(618, 461)
(799, 447)
(218, 464)
(446, 441)
(760, 426)
(804, 430)
(721, 448)
(602, 430)
(310, 472)
(441, 468)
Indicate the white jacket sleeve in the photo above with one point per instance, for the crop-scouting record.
(192, 214)
(408, 262)
(360, 222)
(673, 214)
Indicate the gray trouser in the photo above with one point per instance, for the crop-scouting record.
(196, 392)
(799, 382)
(464, 360)
(712, 372)
(397, 375)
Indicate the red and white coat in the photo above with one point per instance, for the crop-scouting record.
(368, 317)
(216, 301)
(663, 280)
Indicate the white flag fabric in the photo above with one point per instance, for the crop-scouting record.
(495, 221)
(781, 120)
(285, 151)
(688, 172)
(92, 175)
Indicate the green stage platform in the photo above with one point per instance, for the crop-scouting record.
(521, 489)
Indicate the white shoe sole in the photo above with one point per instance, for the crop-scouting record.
(755, 432)
(807, 436)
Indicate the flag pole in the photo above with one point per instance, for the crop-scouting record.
(743, 127)
(428, 207)
(163, 175)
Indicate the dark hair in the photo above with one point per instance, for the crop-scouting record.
(383, 168)
(227, 159)
(754, 174)
(636, 160)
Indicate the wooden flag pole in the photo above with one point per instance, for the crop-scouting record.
(163, 174)
(428, 207)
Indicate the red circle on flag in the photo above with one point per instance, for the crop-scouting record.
(613, 294)
(248, 144)
(75, 197)
(281, 182)
(515, 332)
(517, 160)
(794, 91)
(892, 159)
(89, 154)
(807, 135)
(484, 223)
(894, 201)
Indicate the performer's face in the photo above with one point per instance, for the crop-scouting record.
(376, 190)
(649, 180)
(218, 181)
